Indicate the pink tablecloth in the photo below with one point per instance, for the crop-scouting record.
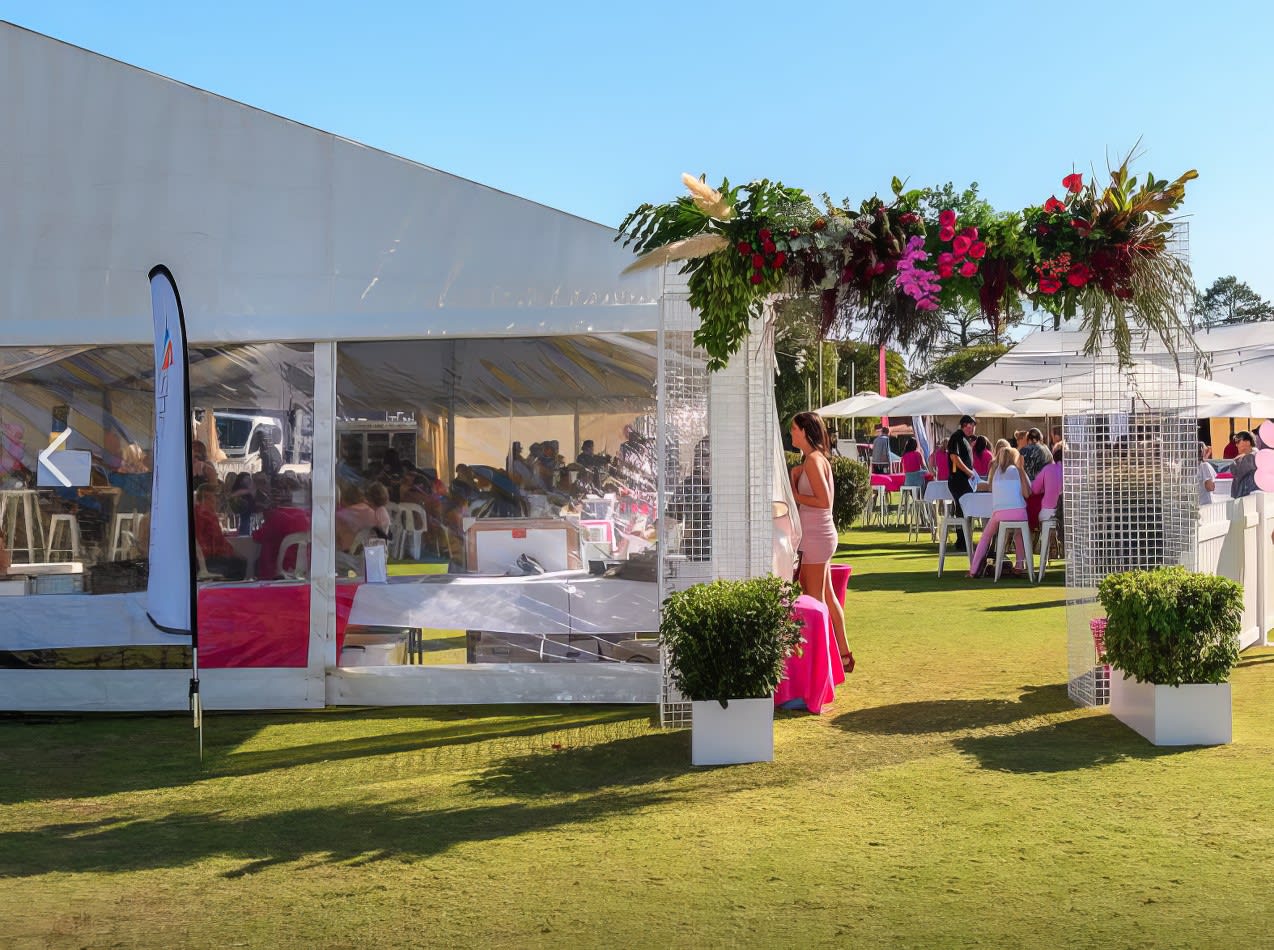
(813, 675)
(891, 482)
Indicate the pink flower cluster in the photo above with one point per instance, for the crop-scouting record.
(916, 282)
(966, 249)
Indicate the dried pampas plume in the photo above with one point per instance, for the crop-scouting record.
(701, 245)
(708, 200)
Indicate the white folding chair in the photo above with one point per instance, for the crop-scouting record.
(410, 530)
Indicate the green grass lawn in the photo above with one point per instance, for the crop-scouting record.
(952, 796)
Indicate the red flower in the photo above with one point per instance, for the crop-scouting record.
(961, 245)
(947, 233)
(745, 248)
(968, 269)
(908, 217)
(977, 250)
(1049, 286)
(768, 247)
(1041, 229)
(971, 233)
(1053, 206)
(757, 277)
(947, 219)
(1079, 275)
(1082, 227)
(758, 261)
(944, 270)
(779, 259)
(1073, 183)
(764, 234)
(794, 232)
(946, 257)
(819, 224)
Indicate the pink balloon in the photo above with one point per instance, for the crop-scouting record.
(1265, 460)
(1265, 479)
(1266, 432)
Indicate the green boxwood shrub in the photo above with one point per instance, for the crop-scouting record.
(852, 482)
(729, 639)
(1169, 626)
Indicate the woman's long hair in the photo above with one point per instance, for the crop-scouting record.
(1006, 458)
(811, 423)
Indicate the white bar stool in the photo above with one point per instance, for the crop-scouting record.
(1024, 529)
(21, 503)
(1048, 526)
(952, 522)
(911, 510)
(72, 545)
(124, 533)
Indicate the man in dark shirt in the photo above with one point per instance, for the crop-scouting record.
(1034, 456)
(960, 453)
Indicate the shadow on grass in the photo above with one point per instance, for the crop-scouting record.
(1068, 746)
(1040, 605)
(594, 783)
(954, 715)
(97, 756)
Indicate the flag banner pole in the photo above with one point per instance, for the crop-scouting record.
(172, 600)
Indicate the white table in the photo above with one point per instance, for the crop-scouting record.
(565, 602)
(976, 504)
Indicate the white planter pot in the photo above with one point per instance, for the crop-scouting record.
(1192, 714)
(742, 732)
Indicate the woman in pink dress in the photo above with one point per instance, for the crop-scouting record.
(813, 489)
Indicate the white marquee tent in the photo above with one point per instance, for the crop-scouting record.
(281, 235)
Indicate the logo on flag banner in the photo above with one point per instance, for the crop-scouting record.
(170, 591)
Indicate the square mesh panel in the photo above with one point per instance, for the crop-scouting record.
(1129, 495)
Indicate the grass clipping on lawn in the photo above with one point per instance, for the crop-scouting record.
(951, 796)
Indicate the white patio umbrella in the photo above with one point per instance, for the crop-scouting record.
(1148, 376)
(1253, 406)
(861, 404)
(938, 400)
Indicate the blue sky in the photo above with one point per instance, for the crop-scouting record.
(594, 108)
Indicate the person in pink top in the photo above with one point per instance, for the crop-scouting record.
(940, 464)
(982, 456)
(280, 520)
(1009, 491)
(1046, 490)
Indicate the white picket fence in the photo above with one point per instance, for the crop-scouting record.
(1234, 542)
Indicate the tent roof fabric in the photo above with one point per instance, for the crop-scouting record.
(1241, 355)
(273, 230)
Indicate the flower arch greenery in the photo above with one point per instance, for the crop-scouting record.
(892, 265)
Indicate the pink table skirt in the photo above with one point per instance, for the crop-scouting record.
(814, 674)
(840, 580)
(262, 625)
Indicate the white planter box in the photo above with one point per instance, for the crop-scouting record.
(1192, 714)
(742, 732)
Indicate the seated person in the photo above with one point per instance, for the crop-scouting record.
(353, 518)
(282, 518)
(202, 471)
(378, 500)
(913, 464)
(218, 554)
(1046, 490)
